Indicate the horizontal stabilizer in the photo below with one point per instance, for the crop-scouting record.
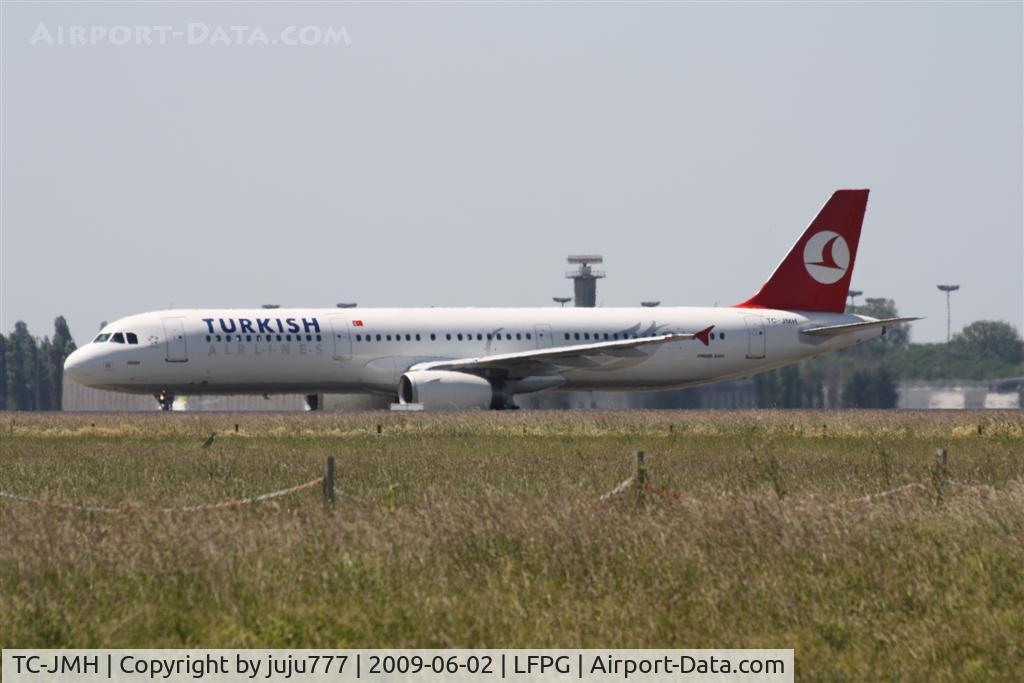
(830, 330)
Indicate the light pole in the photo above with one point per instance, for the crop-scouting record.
(650, 304)
(561, 300)
(853, 294)
(948, 289)
(350, 304)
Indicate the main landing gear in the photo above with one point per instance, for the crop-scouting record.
(165, 399)
(312, 401)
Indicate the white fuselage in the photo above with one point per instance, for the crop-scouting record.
(309, 351)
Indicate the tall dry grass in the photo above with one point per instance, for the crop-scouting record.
(484, 530)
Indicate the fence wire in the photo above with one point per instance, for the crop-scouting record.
(223, 505)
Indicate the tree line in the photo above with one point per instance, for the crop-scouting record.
(867, 375)
(32, 369)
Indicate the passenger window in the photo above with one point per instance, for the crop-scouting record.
(459, 336)
(712, 335)
(489, 336)
(721, 335)
(519, 335)
(528, 336)
(359, 337)
(318, 337)
(448, 336)
(278, 337)
(248, 337)
(408, 337)
(207, 337)
(606, 335)
(132, 339)
(586, 335)
(309, 337)
(432, 337)
(566, 335)
(479, 337)
(118, 338)
(417, 337)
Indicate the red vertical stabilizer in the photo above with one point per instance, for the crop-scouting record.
(815, 275)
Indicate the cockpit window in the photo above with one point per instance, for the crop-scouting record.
(132, 338)
(118, 338)
(101, 338)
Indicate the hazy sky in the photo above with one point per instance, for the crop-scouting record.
(454, 154)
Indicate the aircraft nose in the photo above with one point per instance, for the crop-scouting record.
(76, 367)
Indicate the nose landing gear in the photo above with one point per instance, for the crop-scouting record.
(165, 399)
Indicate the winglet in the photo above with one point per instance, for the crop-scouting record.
(704, 334)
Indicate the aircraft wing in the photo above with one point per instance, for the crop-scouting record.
(830, 330)
(595, 355)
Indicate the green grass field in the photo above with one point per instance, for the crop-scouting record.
(486, 530)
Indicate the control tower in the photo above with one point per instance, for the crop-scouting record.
(585, 279)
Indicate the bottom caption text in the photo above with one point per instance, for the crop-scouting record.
(222, 666)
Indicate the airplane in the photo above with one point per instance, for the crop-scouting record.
(465, 358)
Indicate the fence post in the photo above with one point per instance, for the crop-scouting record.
(329, 483)
(940, 473)
(641, 478)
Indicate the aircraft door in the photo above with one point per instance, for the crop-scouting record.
(342, 338)
(756, 338)
(174, 337)
(543, 336)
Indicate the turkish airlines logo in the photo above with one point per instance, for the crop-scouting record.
(826, 257)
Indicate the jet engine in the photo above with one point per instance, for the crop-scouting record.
(447, 390)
